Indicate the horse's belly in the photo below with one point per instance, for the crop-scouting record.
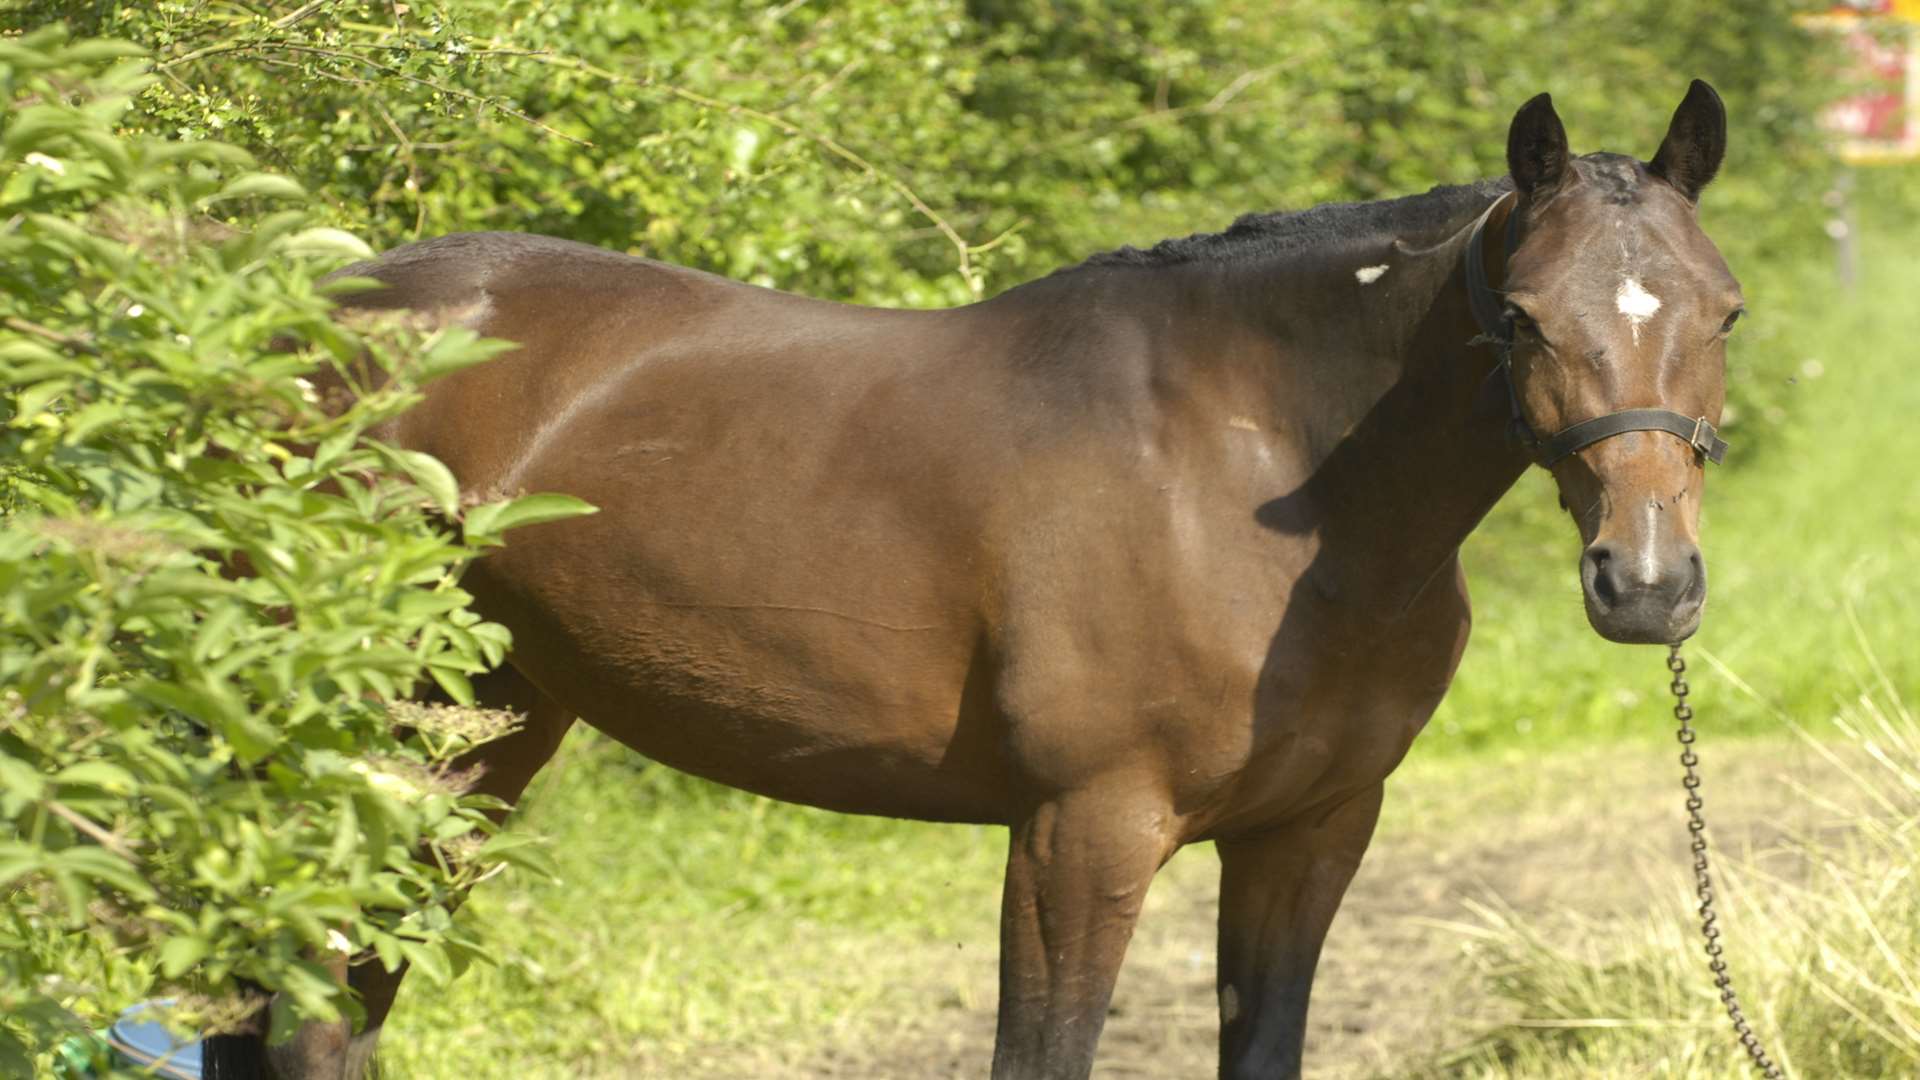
(794, 698)
(789, 608)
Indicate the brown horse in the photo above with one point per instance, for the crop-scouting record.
(1156, 550)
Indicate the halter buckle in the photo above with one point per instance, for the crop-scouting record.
(1702, 437)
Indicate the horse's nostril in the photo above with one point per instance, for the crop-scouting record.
(1603, 588)
(1696, 589)
(1600, 581)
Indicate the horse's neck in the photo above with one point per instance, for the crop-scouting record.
(1411, 449)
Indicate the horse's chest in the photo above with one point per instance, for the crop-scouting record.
(1334, 706)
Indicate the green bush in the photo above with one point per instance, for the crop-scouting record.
(925, 152)
(699, 132)
(215, 589)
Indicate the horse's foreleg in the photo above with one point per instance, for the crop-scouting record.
(1278, 892)
(1077, 871)
(507, 765)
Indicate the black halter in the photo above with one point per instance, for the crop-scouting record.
(1497, 330)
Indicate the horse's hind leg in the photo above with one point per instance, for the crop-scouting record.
(1077, 871)
(507, 765)
(1278, 893)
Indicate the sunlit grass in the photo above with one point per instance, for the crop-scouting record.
(689, 915)
(1823, 935)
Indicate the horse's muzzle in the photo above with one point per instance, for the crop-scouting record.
(1644, 598)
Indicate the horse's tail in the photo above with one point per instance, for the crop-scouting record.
(234, 1057)
(244, 1056)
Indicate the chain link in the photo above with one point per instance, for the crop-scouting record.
(1703, 877)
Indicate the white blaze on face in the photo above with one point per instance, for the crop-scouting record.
(1636, 303)
(1367, 275)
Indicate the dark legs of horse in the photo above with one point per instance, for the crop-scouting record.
(1077, 872)
(334, 1051)
(1278, 892)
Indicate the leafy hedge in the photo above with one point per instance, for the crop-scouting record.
(924, 152)
(215, 589)
(790, 143)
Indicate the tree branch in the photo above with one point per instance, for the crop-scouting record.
(485, 102)
(963, 250)
(77, 344)
(86, 825)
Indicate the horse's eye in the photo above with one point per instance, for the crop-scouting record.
(1521, 321)
(1727, 327)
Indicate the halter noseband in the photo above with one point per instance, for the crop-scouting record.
(1496, 330)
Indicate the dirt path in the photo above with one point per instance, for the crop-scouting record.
(1582, 836)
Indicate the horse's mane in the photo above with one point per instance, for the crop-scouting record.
(1257, 236)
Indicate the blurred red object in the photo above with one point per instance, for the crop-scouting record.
(1879, 120)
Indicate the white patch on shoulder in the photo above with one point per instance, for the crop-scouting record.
(1367, 275)
(1244, 423)
(1636, 303)
(469, 313)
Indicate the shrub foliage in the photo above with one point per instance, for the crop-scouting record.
(926, 152)
(214, 587)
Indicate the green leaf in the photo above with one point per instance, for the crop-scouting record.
(33, 400)
(430, 960)
(98, 49)
(218, 632)
(251, 736)
(103, 865)
(525, 850)
(260, 185)
(434, 478)
(15, 865)
(494, 640)
(458, 348)
(180, 953)
(455, 683)
(492, 519)
(387, 948)
(326, 242)
(313, 987)
(20, 781)
(106, 776)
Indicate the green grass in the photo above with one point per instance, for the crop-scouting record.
(1822, 934)
(689, 916)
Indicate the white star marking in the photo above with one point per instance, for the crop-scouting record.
(1636, 303)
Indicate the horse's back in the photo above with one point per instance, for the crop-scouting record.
(606, 325)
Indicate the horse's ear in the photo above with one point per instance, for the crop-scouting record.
(1695, 142)
(1537, 147)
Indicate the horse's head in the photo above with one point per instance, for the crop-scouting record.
(1617, 301)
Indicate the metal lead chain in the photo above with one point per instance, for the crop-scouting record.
(1702, 874)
